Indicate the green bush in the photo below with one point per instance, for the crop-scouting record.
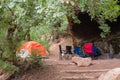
(7, 67)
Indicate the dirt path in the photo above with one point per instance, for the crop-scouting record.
(64, 70)
(55, 69)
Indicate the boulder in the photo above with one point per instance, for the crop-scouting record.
(82, 62)
(110, 75)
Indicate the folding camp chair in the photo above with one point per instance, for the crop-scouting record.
(91, 50)
(78, 51)
(96, 51)
(61, 52)
(67, 54)
(88, 50)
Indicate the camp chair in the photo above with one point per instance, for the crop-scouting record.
(61, 52)
(91, 50)
(96, 51)
(88, 50)
(67, 54)
(78, 51)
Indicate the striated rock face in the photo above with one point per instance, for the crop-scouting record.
(110, 75)
(82, 62)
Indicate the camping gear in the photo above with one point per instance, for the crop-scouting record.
(88, 50)
(68, 50)
(67, 54)
(78, 51)
(96, 51)
(31, 48)
(61, 52)
(91, 50)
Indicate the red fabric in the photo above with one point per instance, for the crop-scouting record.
(88, 48)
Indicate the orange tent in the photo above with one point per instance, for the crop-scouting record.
(33, 47)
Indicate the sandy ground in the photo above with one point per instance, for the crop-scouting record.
(54, 69)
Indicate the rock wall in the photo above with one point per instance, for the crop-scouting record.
(88, 31)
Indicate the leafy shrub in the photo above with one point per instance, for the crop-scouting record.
(7, 67)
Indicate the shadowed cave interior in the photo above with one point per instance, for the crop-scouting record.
(88, 28)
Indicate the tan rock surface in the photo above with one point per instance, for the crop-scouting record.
(83, 62)
(110, 75)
